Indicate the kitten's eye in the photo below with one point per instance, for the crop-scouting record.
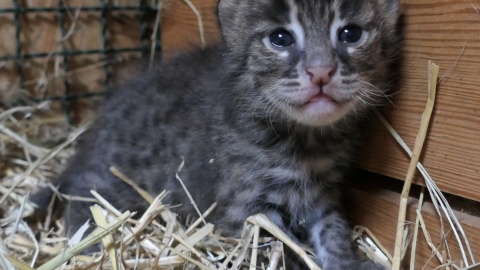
(281, 38)
(350, 34)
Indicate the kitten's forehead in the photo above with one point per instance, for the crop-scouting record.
(323, 13)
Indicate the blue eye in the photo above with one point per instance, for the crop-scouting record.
(281, 38)
(350, 34)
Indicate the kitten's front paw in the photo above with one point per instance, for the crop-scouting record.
(370, 265)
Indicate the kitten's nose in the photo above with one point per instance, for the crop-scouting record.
(320, 75)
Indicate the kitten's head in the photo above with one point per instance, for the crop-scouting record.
(311, 61)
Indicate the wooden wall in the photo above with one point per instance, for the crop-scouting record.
(444, 31)
(377, 209)
(448, 33)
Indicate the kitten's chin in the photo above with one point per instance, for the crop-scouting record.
(321, 111)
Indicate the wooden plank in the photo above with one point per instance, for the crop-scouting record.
(448, 33)
(378, 211)
(180, 29)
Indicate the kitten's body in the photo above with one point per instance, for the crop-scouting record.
(242, 117)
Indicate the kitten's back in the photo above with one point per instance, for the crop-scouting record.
(145, 126)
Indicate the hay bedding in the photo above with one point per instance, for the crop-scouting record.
(35, 145)
(128, 241)
(29, 161)
(26, 167)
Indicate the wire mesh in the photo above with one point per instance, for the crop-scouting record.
(144, 12)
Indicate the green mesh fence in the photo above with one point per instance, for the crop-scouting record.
(144, 11)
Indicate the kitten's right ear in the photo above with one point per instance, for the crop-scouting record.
(391, 8)
(231, 17)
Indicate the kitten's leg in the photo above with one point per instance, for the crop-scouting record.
(330, 236)
(292, 260)
(276, 218)
(76, 214)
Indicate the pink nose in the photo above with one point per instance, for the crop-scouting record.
(320, 75)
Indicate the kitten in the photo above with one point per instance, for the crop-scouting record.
(266, 121)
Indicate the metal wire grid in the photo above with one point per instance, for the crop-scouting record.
(107, 51)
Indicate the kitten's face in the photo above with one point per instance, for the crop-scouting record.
(312, 61)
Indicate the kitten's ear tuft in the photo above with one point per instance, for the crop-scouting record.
(391, 8)
(231, 17)
(225, 11)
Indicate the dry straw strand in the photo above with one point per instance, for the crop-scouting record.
(37, 151)
(23, 109)
(429, 240)
(161, 263)
(276, 256)
(262, 221)
(92, 239)
(422, 134)
(153, 37)
(4, 253)
(247, 236)
(201, 219)
(230, 256)
(192, 201)
(415, 233)
(19, 217)
(256, 235)
(51, 154)
(105, 204)
(476, 9)
(473, 267)
(167, 238)
(145, 195)
(376, 251)
(199, 19)
(18, 264)
(101, 221)
(439, 201)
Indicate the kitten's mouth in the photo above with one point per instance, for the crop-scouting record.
(321, 109)
(321, 97)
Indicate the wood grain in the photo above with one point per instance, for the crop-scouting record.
(378, 210)
(444, 31)
(448, 33)
(180, 29)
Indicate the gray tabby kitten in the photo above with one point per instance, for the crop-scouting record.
(267, 121)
